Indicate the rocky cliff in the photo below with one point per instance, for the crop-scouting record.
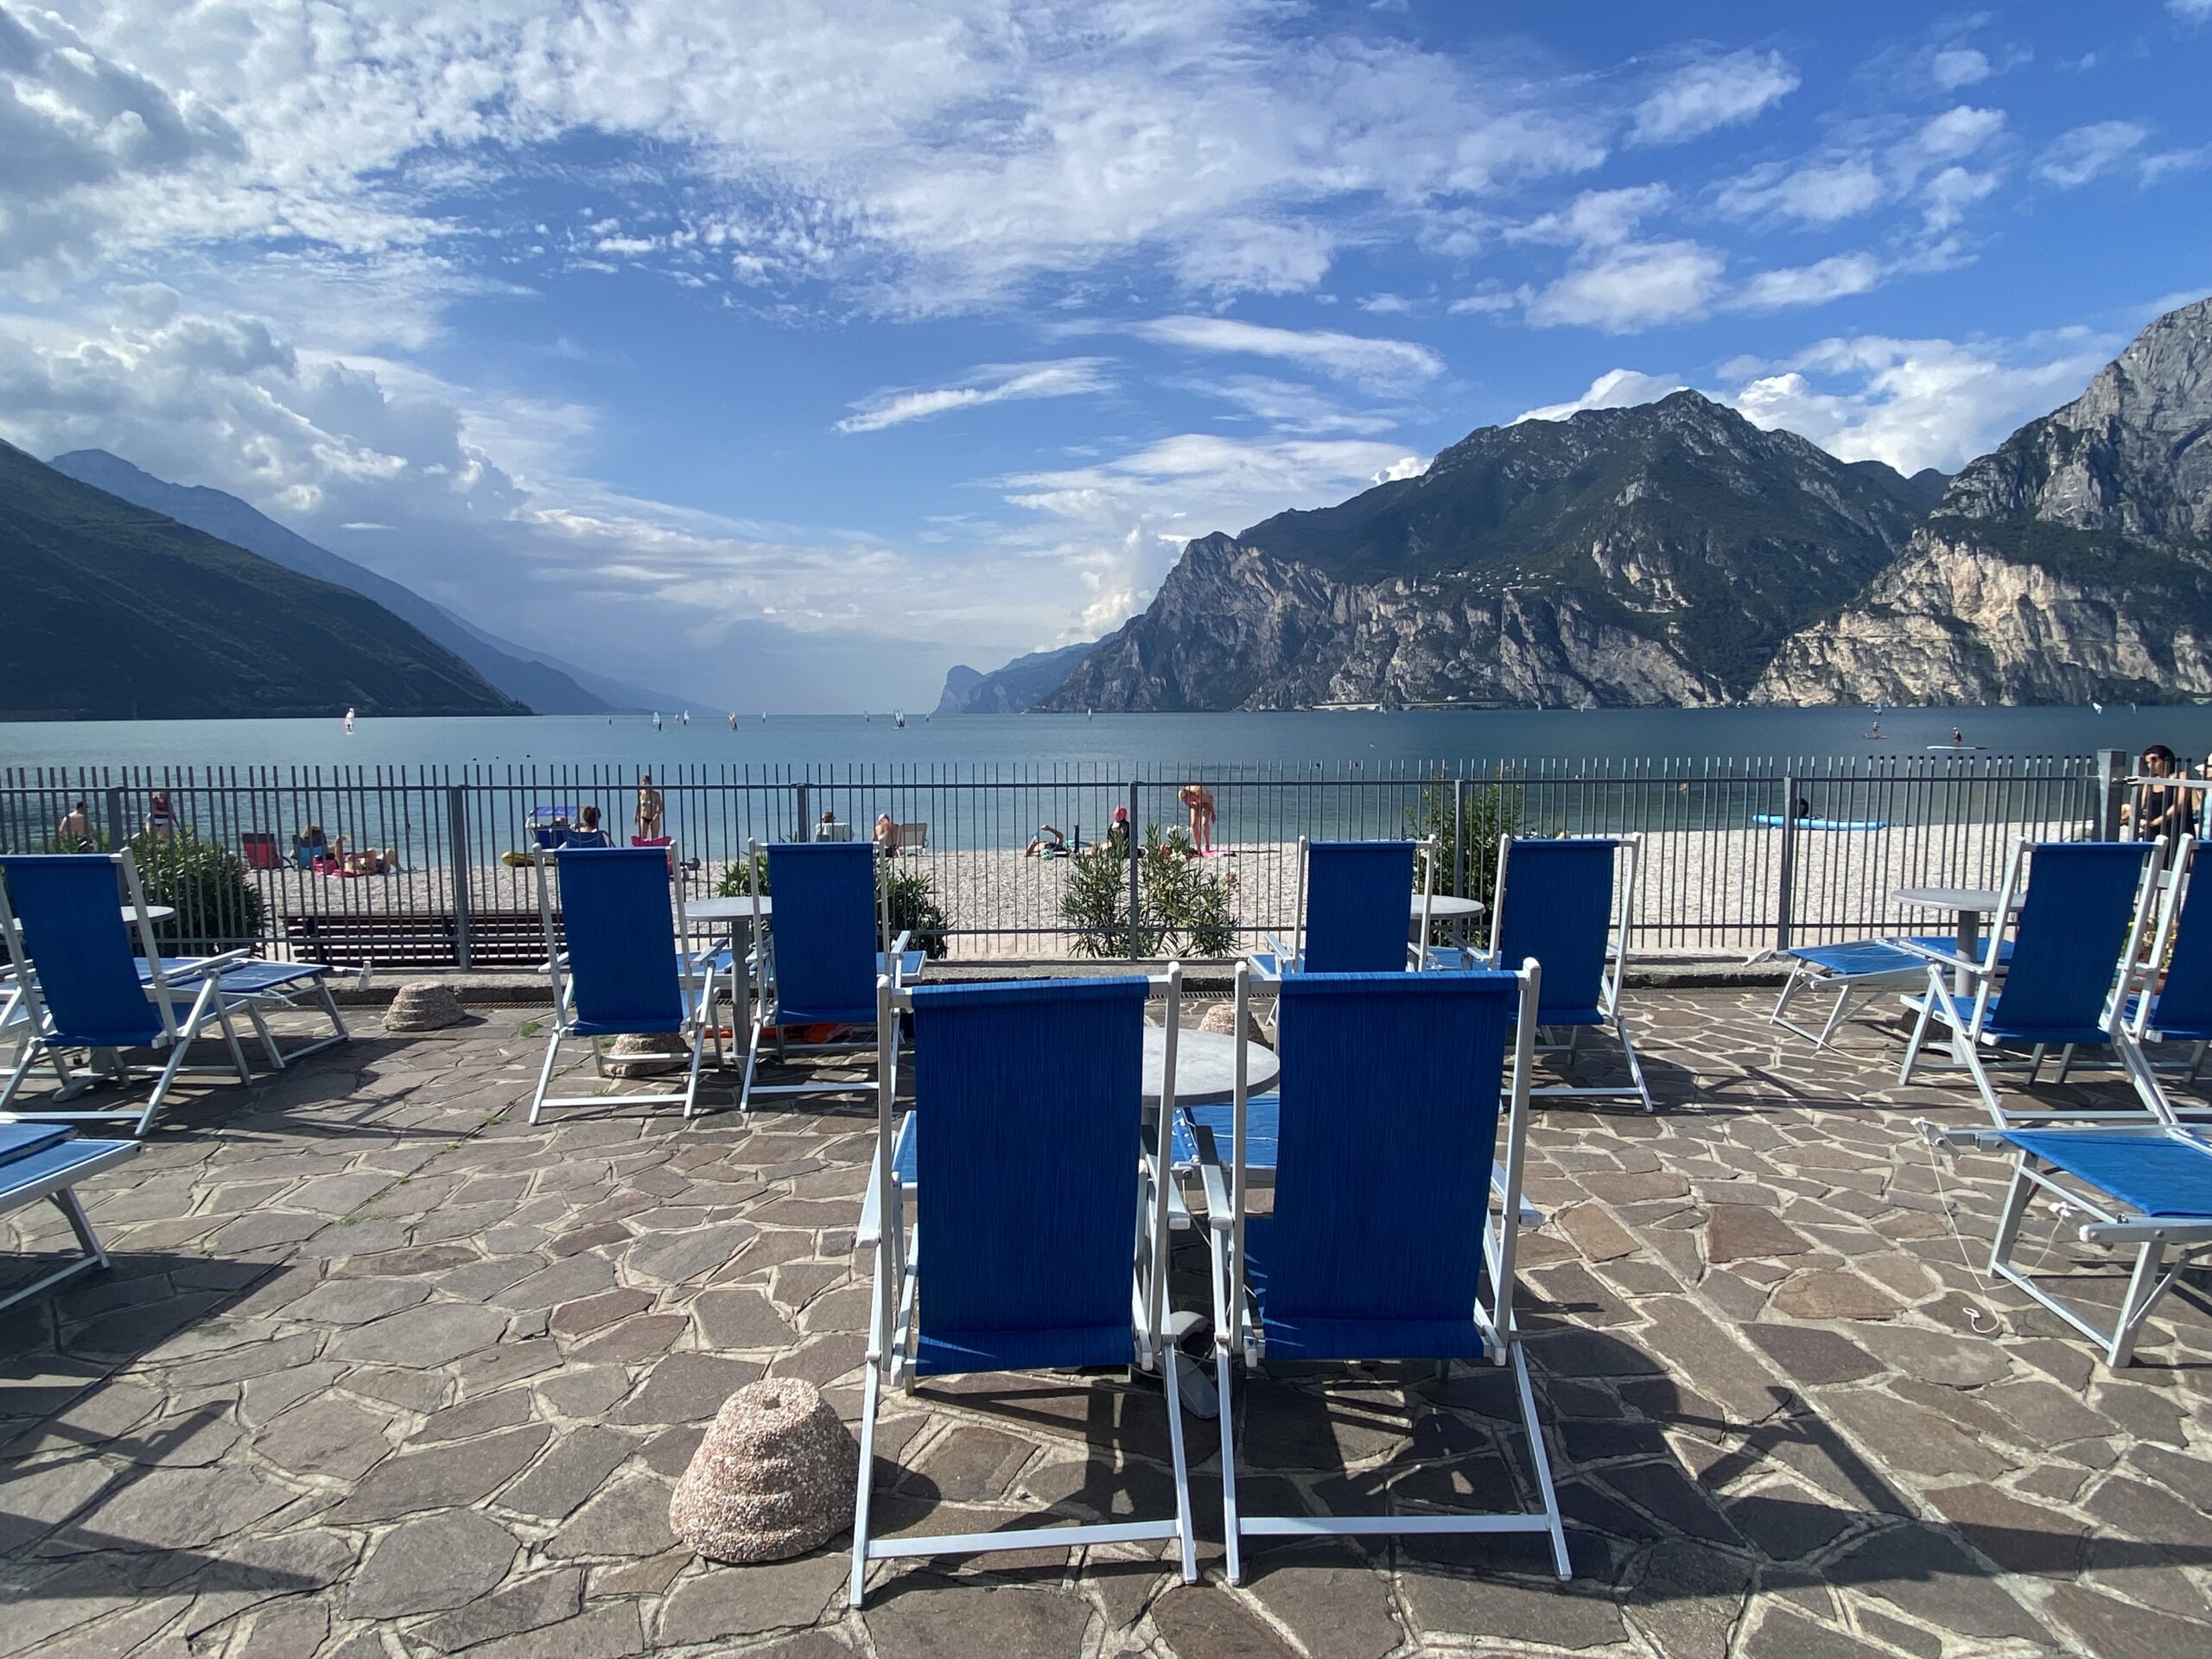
(1012, 689)
(1656, 555)
(2073, 563)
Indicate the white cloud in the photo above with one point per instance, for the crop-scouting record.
(1958, 133)
(994, 383)
(1631, 285)
(1615, 389)
(1358, 358)
(2086, 152)
(1832, 278)
(1817, 193)
(1945, 198)
(1289, 407)
(1597, 217)
(2191, 12)
(1959, 66)
(2171, 163)
(1913, 403)
(1717, 92)
(1489, 301)
(1386, 305)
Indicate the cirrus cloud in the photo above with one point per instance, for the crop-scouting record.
(993, 383)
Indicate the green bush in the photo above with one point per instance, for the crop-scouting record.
(912, 895)
(1187, 909)
(1493, 811)
(217, 907)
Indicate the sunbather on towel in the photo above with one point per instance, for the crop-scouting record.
(1048, 843)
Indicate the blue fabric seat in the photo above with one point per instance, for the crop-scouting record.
(2151, 1174)
(46, 1161)
(616, 968)
(1024, 1189)
(90, 989)
(2075, 934)
(255, 988)
(827, 944)
(1355, 918)
(2180, 1010)
(1562, 901)
(1390, 1109)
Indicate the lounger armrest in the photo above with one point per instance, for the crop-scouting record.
(1975, 1140)
(1210, 1179)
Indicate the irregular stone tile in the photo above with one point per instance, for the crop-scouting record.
(739, 1601)
(2020, 1537)
(1937, 1357)
(585, 1392)
(576, 1466)
(1688, 1600)
(2113, 1628)
(1833, 1295)
(441, 1476)
(610, 1631)
(325, 1437)
(629, 1518)
(1928, 1577)
(736, 1317)
(634, 1339)
(1810, 1354)
(1785, 1634)
(649, 1577)
(530, 1605)
(566, 1280)
(933, 1619)
(686, 1388)
(476, 1416)
(679, 1258)
(423, 1336)
(1204, 1622)
(180, 1509)
(592, 1313)
(288, 1631)
(250, 1571)
(429, 1565)
(1736, 1230)
(1503, 1610)
(1332, 1600)
(127, 1631)
(133, 1330)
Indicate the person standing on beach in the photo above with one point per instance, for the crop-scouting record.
(1199, 799)
(160, 822)
(652, 809)
(74, 832)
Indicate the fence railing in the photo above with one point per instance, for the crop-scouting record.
(1739, 855)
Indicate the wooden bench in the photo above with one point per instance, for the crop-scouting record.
(497, 939)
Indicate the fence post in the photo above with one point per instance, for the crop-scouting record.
(805, 816)
(1136, 861)
(457, 832)
(2112, 789)
(1460, 837)
(1785, 901)
(117, 835)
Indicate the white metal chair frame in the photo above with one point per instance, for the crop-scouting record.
(164, 986)
(1236, 1334)
(893, 1330)
(696, 982)
(1937, 1005)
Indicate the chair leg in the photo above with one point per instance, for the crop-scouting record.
(162, 1085)
(1913, 1043)
(21, 1069)
(1231, 1537)
(1972, 1051)
(1182, 1538)
(1781, 1002)
(2034, 1063)
(2009, 1219)
(268, 1037)
(545, 1072)
(2065, 1063)
(751, 1060)
(1541, 1461)
(691, 1082)
(79, 1223)
(1835, 1016)
(1634, 1065)
(869, 1395)
(2145, 1286)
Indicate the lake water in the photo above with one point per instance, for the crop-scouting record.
(1159, 746)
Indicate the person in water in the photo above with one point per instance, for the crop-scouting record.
(74, 832)
(588, 832)
(652, 809)
(1200, 801)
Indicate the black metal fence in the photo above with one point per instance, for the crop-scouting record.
(1737, 855)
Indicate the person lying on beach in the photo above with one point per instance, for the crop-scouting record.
(371, 861)
(1048, 840)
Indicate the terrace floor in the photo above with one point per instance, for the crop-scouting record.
(381, 1369)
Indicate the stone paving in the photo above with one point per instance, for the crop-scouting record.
(381, 1369)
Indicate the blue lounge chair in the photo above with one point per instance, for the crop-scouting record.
(827, 942)
(1567, 903)
(2147, 1187)
(1851, 969)
(620, 974)
(1353, 914)
(2076, 931)
(257, 989)
(1041, 1220)
(1382, 1242)
(2177, 1007)
(41, 1161)
(85, 989)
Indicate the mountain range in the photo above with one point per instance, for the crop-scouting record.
(1012, 689)
(1674, 553)
(546, 686)
(116, 612)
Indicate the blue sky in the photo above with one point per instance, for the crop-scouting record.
(784, 354)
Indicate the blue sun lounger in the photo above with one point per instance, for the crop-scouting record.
(1396, 1107)
(45, 1161)
(1040, 1217)
(1563, 903)
(2077, 931)
(1854, 967)
(257, 989)
(1352, 910)
(826, 945)
(2177, 1007)
(620, 974)
(86, 989)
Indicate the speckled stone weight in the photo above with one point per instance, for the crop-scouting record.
(425, 1005)
(773, 1476)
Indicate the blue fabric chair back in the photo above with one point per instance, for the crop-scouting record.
(1029, 1101)
(825, 931)
(1387, 1129)
(622, 936)
(2185, 998)
(1356, 899)
(1557, 907)
(2072, 928)
(69, 906)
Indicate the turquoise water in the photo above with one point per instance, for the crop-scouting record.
(1148, 746)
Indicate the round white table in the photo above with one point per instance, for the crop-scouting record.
(1206, 1066)
(154, 913)
(739, 909)
(1446, 907)
(1967, 905)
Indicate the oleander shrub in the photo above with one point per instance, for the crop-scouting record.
(218, 906)
(1185, 908)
